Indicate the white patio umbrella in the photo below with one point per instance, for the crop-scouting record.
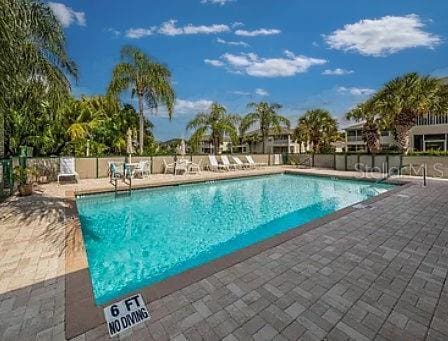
(129, 145)
(183, 148)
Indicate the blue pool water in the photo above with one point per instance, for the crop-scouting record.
(136, 240)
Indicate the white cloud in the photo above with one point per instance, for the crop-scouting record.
(384, 36)
(259, 32)
(137, 33)
(237, 24)
(337, 72)
(216, 2)
(184, 106)
(356, 91)
(241, 93)
(115, 32)
(214, 62)
(169, 28)
(66, 15)
(261, 92)
(253, 65)
(232, 43)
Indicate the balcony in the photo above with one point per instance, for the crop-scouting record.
(430, 120)
(354, 138)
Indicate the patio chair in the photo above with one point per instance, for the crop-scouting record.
(226, 162)
(255, 164)
(277, 159)
(168, 166)
(181, 165)
(67, 168)
(214, 165)
(195, 167)
(142, 169)
(114, 170)
(241, 164)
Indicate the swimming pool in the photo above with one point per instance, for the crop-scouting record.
(133, 241)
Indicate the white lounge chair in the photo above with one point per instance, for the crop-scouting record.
(195, 167)
(181, 166)
(226, 162)
(241, 164)
(67, 168)
(255, 164)
(214, 165)
(142, 169)
(277, 159)
(168, 166)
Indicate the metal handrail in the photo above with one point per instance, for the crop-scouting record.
(389, 174)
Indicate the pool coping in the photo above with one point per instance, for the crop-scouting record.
(81, 312)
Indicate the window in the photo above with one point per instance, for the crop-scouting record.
(418, 143)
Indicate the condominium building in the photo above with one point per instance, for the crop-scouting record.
(429, 133)
(277, 142)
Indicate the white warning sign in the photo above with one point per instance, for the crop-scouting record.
(125, 314)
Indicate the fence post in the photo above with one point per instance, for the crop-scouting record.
(334, 161)
(97, 168)
(345, 166)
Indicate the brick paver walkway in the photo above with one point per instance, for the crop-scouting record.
(377, 273)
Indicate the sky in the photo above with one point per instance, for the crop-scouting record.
(302, 54)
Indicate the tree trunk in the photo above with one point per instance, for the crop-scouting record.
(142, 123)
(402, 138)
(402, 125)
(264, 141)
(371, 136)
(215, 144)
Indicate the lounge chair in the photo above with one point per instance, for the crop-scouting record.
(214, 165)
(181, 166)
(255, 164)
(277, 159)
(226, 162)
(67, 168)
(241, 164)
(168, 166)
(142, 169)
(195, 167)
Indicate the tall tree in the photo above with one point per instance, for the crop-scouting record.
(149, 81)
(402, 100)
(318, 127)
(217, 123)
(266, 116)
(34, 65)
(372, 124)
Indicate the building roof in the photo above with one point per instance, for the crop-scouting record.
(283, 131)
(354, 126)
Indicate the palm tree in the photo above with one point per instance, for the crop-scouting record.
(373, 123)
(317, 127)
(217, 123)
(34, 69)
(32, 48)
(146, 79)
(266, 116)
(402, 100)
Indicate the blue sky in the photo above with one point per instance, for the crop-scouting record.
(301, 54)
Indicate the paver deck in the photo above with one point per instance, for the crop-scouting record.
(376, 273)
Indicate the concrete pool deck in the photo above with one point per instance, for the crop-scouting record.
(377, 272)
